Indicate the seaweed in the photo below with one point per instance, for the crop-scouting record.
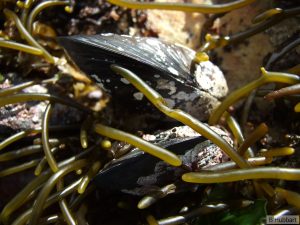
(65, 167)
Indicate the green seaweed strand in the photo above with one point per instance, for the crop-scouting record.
(255, 161)
(267, 77)
(275, 152)
(290, 90)
(243, 174)
(235, 128)
(46, 190)
(146, 146)
(76, 202)
(21, 47)
(246, 109)
(22, 197)
(29, 150)
(27, 97)
(18, 136)
(45, 139)
(25, 9)
(277, 55)
(19, 168)
(266, 15)
(257, 134)
(26, 35)
(186, 217)
(84, 132)
(66, 212)
(23, 218)
(217, 41)
(292, 197)
(185, 7)
(297, 107)
(157, 100)
(150, 199)
(16, 88)
(39, 8)
(62, 193)
(43, 162)
(51, 219)
(93, 170)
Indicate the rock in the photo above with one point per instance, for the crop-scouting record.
(241, 62)
(28, 115)
(175, 26)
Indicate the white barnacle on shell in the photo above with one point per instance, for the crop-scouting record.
(163, 84)
(138, 96)
(124, 80)
(181, 95)
(170, 102)
(211, 79)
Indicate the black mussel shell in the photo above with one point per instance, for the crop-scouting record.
(126, 174)
(163, 66)
(156, 62)
(140, 173)
(150, 58)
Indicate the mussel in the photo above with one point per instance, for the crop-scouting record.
(166, 67)
(139, 173)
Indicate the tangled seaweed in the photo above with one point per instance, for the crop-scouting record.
(65, 177)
